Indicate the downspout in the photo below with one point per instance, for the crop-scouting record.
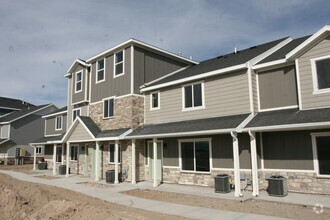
(254, 163)
(237, 175)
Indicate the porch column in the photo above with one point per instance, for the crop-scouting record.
(237, 175)
(97, 161)
(133, 162)
(116, 161)
(67, 158)
(155, 162)
(54, 160)
(62, 156)
(254, 163)
(34, 157)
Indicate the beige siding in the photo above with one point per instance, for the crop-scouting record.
(50, 126)
(310, 100)
(79, 96)
(255, 91)
(117, 86)
(79, 134)
(278, 88)
(224, 95)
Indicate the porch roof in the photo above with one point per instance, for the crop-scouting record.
(112, 133)
(47, 139)
(290, 118)
(205, 126)
(4, 140)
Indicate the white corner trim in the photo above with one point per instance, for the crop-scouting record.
(249, 74)
(132, 69)
(298, 84)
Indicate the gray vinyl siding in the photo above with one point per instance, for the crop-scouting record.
(50, 126)
(170, 152)
(117, 86)
(149, 66)
(79, 96)
(288, 150)
(79, 134)
(254, 91)
(224, 95)
(310, 100)
(48, 151)
(222, 151)
(278, 88)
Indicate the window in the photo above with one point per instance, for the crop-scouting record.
(58, 122)
(108, 108)
(78, 87)
(59, 154)
(38, 150)
(321, 73)
(119, 63)
(112, 153)
(321, 148)
(76, 113)
(195, 155)
(100, 71)
(74, 153)
(154, 100)
(193, 96)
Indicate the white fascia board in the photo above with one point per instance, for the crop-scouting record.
(55, 114)
(3, 107)
(182, 134)
(270, 51)
(137, 42)
(320, 33)
(5, 141)
(268, 64)
(74, 64)
(200, 76)
(7, 122)
(289, 127)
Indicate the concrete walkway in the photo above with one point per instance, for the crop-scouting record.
(112, 194)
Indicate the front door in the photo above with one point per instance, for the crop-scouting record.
(159, 163)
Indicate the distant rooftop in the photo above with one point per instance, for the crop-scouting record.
(14, 103)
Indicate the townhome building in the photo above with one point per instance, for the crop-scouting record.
(154, 116)
(18, 129)
(9, 105)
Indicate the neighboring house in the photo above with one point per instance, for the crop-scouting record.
(20, 128)
(9, 105)
(252, 113)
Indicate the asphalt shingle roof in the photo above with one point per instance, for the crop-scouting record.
(51, 138)
(21, 113)
(221, 62)
(14, 103)
(112, 133)
(217, 123)
(90, 124)
(59, 110)
(289, 116)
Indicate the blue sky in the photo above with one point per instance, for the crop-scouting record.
(39, 40)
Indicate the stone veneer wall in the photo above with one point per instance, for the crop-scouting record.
(128, 113)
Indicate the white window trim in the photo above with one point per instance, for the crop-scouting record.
(315, 156)
(103, 100)
(8, 131)
(39, 147)
(97, 71)
(81, 81)
(314, 75)
(77, 146)
(119, 157)
(151, 107)
(210, 155)
(73, 110)
(184, 99)
(114, 64)
(56, 118)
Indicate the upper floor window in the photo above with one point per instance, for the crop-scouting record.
(112, 153)
(78, 83)
(193, 96)
(58, 122)
(100, 71)
(76, 113)
(321, 73)
(154, 100)
(108, 108)
(119, 64)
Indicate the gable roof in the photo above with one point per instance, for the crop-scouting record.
(22, 113)
(14, 103)
(49, 139)
(225, 62)
(75, 64)
(57, 112)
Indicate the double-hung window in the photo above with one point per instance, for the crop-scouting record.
(154, 101)
(58, 122)
(195, 155)
(78, 83)
(108, 108)
(193, 96)
(100, 71)
(38, 150)
(74, 153)
(112, 153)
(76, 113)
(321, 73)
(119, 63)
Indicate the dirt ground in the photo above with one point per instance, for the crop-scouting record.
(23, 200)
(249, 206)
